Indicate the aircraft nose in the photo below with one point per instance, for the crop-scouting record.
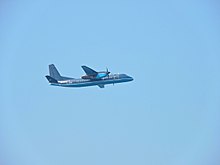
(130, 78)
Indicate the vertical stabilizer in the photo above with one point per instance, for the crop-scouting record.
(54, 72)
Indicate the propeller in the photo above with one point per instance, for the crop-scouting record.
(107, 72)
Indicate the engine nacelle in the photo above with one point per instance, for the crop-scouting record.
(87, 77)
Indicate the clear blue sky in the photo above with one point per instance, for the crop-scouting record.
(170, 113)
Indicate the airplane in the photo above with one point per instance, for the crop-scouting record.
(91, 78)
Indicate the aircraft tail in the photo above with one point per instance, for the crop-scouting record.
(54, 72)
(55, 75)
(51, 79)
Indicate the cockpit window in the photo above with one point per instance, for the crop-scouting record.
(123, 76)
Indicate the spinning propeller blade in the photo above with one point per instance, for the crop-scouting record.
(107, 72)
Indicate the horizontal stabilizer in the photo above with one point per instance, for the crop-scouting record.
(51, 79)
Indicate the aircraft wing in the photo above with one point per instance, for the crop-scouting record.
(89, 71)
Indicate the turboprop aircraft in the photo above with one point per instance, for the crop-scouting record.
(91, 78)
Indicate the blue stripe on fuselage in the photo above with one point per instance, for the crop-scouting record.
(84, 83)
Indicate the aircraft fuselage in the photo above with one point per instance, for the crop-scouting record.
(91, 78)
(111, 79)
